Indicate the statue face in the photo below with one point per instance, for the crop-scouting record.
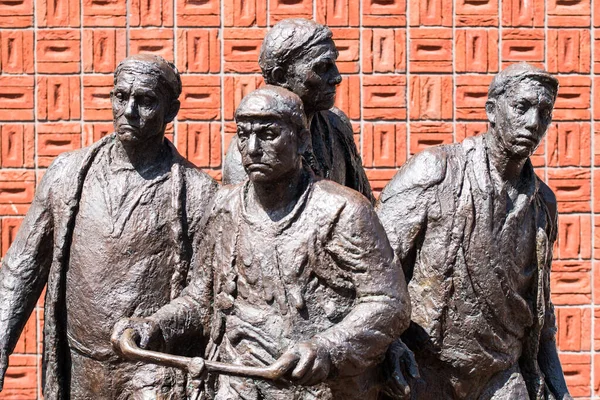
(269, 148)
(139, 107)
(314, 77)
(522, 116)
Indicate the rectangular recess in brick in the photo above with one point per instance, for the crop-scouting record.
(21, 378)
(471, 95)
(198, 50)
(195, 13)
(384, 97)
(430, 50)
(523, 45)
(241, 49)
(151, 13)
(152, 40)
(245, 13)
(58, 51)
(59, 98)
(384, 144)
(58, 13)
(348, 97)
(568, 14)
(347, 42)
(96, 97)
(338, 13)
(573, 101)
(378, 13)
(569, 144)
(202, 143)
(577, 370)
(384, 50)
(17, 144)
(476, 50)
(105, 13)
(430, 97)
(16, 187)
(572, 187)
(56, 138)
(16, 52)
(103, 49)
(291, 9)
(201, 98)
(16, 13)
(574, 237)
(16, 98)
(463, 130)
(427, 134)
(519, 13)
(476, 13)
(571, 288)
(94, 131)
(431, 13)
(236, 88)
(569, 50)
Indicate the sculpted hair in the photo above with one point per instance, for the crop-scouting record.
(516, 73)
(287, 41)
(150, 64)
(274, 100)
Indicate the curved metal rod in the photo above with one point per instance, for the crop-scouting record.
(196, 365)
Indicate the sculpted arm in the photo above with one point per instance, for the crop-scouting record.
(25, 267)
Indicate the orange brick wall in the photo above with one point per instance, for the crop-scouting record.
(415, 75)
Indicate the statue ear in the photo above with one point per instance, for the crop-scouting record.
(304, 141)
(278, 75)
(173, 110)
(490, 110)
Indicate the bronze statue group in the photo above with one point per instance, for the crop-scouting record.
(290, 281)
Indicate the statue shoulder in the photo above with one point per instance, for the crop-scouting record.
(338, 120)
(334, 197)
(425, 169)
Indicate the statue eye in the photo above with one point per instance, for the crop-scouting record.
(147, 101)
(119, 96)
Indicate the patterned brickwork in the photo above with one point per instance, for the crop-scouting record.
(415, 75)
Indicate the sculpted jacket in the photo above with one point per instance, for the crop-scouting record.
(477, 308)
(40, 253)
(324, 272)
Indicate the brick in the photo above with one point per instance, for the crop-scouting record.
(241, 48)
(570, 13)
(96, 97)
(9, 228)
(384, 97)
(291, 9)
(198, 50)
(16, 187)
(201, 98)
(427, 134)
(103, 49)
(379, 178)
(92, 132)
(56, 138)
(523, 45)
(27, 343)
(573, 99)
(431, 12)
(195, 13)
(235, 89)
(522, 13)
(59, 98)
(338, 13)
(577, 371)
(16, 98)
(202, 142)
(569, 51)
(244, 13)
(572, 187)
(569, 144)
(21, 380)
(347, 42)
(430, 97)
(17, 145)
(574, 237)
(150, 40)
(467, 129)
(384, 144)
(16, 13)
(574, 329)
(60, 14)
(378, 13)
(156, 13)
(105, 13)
(58, 51)
(476, 13)
(384, 50)
(348, 97)
(596, 144)
(538, 159)
(430, 50)
(16, 52)
(571, 288)
(476, 50)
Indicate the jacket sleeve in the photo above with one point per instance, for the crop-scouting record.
(26, 265)
(381, 311)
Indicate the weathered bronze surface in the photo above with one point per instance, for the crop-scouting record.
(110, 231)
(473, 227)
(299, 55)
(295, 271)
